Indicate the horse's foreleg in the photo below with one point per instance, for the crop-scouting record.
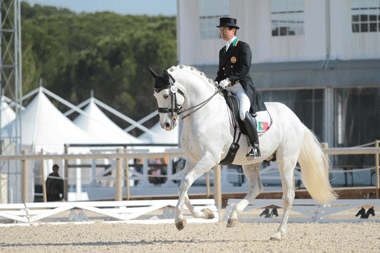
(191, 174)
(286, 169)
(255, 187)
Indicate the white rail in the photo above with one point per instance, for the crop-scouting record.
(132, 211)
(172, 153)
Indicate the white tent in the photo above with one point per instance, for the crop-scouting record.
(169, 137)
(98, 124)
(7, 114)
(45, 127)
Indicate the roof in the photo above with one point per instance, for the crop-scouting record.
(96, 123)
(44, 126)
(171, 137)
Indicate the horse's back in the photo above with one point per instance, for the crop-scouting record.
(280, 112)
(287, 129)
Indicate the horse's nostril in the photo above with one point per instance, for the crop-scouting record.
(167, 125)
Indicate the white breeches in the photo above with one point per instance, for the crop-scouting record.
(245, 104)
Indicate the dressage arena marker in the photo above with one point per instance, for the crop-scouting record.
(133, 211)
(307, 210)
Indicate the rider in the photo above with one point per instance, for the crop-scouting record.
(233, 75)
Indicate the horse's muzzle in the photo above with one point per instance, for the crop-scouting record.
(169, 125)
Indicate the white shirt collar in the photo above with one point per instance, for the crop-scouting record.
(228, 43)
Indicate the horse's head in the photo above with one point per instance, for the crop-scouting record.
(371, 211)
(169, 99)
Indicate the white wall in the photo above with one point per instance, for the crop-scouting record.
(254, 19)
(346, 45)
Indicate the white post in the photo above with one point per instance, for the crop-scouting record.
(78, 180)
(225, 175)
(24, 178)
(169, 173)
(328, 116)
(44, 196)
(145, 180)
(93, 169)
(119, 177)
(377, 170)
(217, 187)
(127, 181)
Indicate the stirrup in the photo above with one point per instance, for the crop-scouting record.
(253, 153)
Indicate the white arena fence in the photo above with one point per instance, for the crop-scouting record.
(119, 163)
(308, 210)
(131, 211)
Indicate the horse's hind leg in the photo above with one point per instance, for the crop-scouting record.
(255, 187)
(286, 168)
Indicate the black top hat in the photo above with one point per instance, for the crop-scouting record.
(228, 22)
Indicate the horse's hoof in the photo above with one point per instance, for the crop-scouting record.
(181, 224)
(208, 214)
(232, 223)
(276, 237)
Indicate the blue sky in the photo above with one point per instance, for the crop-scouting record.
(134, 7)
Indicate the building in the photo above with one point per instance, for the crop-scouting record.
(320, 58)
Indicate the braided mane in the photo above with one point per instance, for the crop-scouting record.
(202, 75)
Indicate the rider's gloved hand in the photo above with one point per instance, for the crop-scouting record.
(224, 83)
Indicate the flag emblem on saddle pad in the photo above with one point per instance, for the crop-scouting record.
(262, 126)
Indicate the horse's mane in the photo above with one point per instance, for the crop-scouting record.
(181, 68)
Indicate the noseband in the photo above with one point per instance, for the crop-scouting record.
(175, 109)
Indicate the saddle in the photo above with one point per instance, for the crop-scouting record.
(239, 127)
(233, 104)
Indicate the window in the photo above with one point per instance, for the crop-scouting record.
(307, 104)
(287, 17)
(365, 16)
(209, 13)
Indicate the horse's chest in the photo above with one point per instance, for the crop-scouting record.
(190, 144)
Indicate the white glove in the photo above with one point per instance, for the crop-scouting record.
(224, 83)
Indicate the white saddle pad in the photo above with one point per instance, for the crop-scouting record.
(264, 121)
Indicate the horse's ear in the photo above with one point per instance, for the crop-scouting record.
(153, 73)
(169, 77)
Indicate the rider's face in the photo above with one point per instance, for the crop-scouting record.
(226, 33)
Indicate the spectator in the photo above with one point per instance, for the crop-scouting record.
(54, 185)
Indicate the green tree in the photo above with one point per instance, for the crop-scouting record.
(104, 52)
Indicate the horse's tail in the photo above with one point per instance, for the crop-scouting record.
(315, 169)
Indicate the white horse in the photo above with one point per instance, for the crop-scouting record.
(185, 93)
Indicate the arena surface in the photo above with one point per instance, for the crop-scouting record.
(215, 237)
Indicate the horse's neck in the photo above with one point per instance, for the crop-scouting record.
(198, 93)
(214, 103)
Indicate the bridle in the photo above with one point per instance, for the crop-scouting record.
(177, 109)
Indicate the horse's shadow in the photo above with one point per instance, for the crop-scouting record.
(269, 214)
(365, 215)
(132, 243)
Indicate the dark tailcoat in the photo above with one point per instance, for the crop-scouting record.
(235, 64)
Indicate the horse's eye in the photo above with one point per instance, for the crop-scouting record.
(166, 96)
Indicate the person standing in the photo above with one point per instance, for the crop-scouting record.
(233, 75)
(54, 185)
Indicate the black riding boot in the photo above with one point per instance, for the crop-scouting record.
(251, 126)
